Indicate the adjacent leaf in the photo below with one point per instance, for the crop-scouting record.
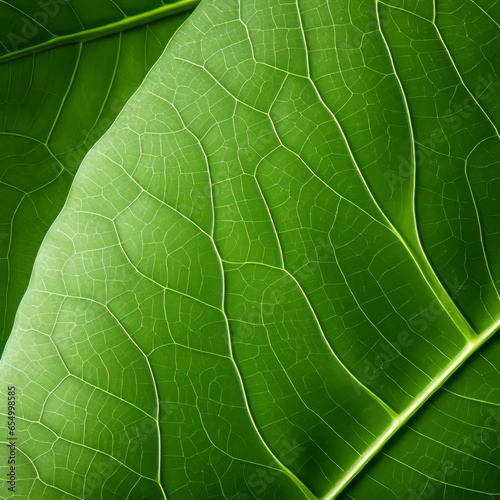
(66, 70)
(272, 261)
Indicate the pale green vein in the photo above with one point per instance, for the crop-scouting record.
(421, 262)
(52, 486)
(484, 12)
(436, 478)
(110, 86)
(455, 450)
(66, 94)
(387, 408)
(463, 396)
(466, 87)
(87, 447)
(303, 488)
(27, 16)
(397, 7)
(479, 221)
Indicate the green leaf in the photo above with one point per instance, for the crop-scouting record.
(276, 275)
(66, 70)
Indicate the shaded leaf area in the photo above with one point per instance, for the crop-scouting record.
(269, 264)
(56, 102)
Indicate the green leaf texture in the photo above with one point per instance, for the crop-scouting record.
(66, 70)
(276, 275)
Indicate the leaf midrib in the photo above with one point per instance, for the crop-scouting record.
(105, 30)
(471, 347)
